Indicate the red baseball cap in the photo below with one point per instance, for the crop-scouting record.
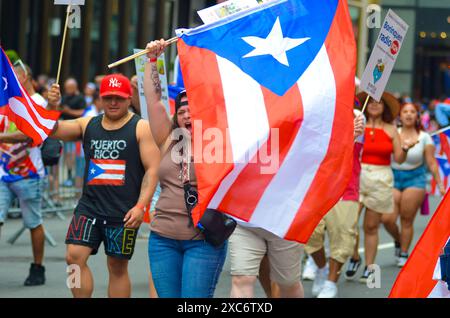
(115, 85)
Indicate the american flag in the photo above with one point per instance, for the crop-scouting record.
(106, 173)
(33, 120)
(279, 77)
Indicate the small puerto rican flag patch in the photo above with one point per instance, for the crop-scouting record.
(106, 173)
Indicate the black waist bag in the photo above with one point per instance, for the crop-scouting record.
(215, 225)
(51, 151)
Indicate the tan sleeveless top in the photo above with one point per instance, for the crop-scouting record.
(171, 219)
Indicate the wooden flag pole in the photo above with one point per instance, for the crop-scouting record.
(440, 131)
(365, 103)
(69, 10)
(134, 56)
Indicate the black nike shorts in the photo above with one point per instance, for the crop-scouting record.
(119, 242)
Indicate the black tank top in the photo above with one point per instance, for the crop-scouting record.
(113, 172)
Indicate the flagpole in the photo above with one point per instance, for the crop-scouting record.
(365, 103)
(440, 131)
(134, 56)
(69, 10)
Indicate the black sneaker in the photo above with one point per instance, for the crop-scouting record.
(36, 276)
(366, 276)
(352, 268)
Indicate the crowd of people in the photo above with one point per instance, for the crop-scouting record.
(117, 159)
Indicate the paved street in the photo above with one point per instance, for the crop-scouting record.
(15, 260)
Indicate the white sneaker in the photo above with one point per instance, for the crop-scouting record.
(329, 290)
(319, 281)
(309, 273)
(402, 259)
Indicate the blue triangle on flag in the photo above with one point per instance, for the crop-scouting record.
(94, 171)
(447, 132)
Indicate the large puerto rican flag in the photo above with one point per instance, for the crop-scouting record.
(276, 78)
(424, 276)
(34, 121)
(106, 173)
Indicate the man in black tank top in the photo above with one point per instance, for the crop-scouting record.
(120, 177)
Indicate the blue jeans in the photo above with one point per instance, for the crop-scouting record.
(416, 178)
(442, 114)
(29, 192)
(185, 269)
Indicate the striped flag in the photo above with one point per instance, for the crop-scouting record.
(424, 276)
(34, 121)
(442, 154)
(444, 172)
(277, 79)
(445, 143)
(106, 173)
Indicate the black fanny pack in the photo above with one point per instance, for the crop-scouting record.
(215, 225)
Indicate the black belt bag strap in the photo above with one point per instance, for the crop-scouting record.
(215, 225)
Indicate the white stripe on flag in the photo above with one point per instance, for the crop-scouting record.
(47, 123)
(111, 167)
(247, 121)
(109, 177)
(277, 209)
(20, 110)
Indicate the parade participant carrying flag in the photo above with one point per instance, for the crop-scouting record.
(279, 79)
(427, 272)
(34, 121)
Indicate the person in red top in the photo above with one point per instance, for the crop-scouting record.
(382, 142)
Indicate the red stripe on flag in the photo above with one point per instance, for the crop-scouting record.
(105, 182)
(286, 113)
(109, 162)
(334, 173)
(445, 146)
(194, 62)
(121, 172)
(416, 277)
(23, 125)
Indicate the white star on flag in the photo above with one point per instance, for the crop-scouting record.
(275, 44)
(93, 171)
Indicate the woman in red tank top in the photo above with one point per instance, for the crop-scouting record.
(382, 144)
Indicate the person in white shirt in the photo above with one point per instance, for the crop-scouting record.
(410, 180)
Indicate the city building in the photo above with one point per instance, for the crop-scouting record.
(111, 29)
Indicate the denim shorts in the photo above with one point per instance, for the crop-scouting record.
(185, 269)
(416, 178)
(29, 192)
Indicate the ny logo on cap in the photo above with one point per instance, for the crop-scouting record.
(114, 83)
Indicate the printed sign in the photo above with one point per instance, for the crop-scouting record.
(384, 55)
(227, 8)
(70, 2)
(162, 70)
